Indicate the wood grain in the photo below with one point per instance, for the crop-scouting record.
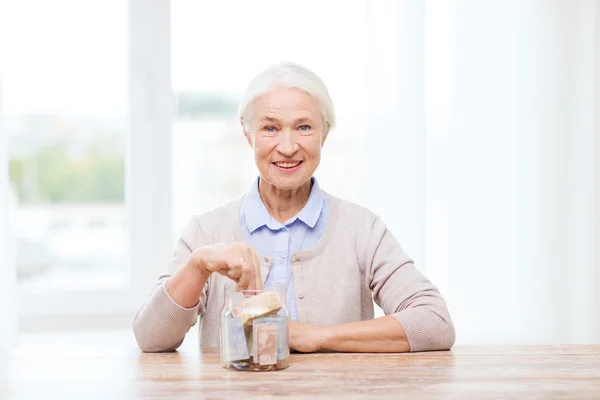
(477, 372)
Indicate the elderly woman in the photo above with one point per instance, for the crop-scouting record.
(334, 256)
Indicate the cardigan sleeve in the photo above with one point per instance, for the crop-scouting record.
(403, 292)
(161, 324)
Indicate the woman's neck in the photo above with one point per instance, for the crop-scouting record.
(283, 204)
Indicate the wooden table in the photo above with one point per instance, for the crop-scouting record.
(465, 372)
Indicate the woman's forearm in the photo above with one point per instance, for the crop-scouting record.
(186, 286)
(168, 312)
(381, 335)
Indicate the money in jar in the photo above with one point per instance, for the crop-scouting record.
(254, 329)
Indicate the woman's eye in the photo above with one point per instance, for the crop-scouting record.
(304, 127)
(270, 129)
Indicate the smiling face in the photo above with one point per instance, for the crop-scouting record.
(286, 131)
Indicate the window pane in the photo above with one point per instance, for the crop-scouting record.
(217, 47)
(63, 78)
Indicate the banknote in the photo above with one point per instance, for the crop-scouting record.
(283, 347)
(266, 342)
(261, 305)
(283, 342)
(234, 340)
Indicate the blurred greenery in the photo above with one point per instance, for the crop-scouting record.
(55, 175)
(58, 165)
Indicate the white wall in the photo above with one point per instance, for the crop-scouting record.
(501, 210)
(395, 138)
(8, 314)
(596, 197)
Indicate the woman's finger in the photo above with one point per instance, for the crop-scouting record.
(258, 283)
(235, 271)
(245, 277)
(250, 270)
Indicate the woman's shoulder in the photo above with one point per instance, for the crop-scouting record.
(351, 214)
(358, 226)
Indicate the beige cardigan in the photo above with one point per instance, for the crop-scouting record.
(357, 260)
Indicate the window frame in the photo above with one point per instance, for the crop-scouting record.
(147, 179)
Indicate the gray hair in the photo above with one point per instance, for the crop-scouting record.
(288, 75)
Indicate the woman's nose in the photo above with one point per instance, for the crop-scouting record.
(287, 143)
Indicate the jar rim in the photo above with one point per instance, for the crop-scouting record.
(269, 288)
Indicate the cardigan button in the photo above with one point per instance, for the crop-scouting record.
(300, 296)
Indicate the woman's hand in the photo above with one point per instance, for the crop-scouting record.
(236, 261)
(305, 338)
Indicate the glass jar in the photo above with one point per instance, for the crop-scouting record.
(254, 329)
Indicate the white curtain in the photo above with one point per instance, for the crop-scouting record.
(8, 313)
(483, 157)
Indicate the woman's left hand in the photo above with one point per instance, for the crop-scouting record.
(305, 338)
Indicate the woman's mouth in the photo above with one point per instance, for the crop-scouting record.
(287, 165)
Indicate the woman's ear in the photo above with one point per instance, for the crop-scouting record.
(324, 137)
(246, 132)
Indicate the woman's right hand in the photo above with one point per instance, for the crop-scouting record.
(236, 261)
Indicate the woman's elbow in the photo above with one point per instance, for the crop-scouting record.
(447, 336)
(433, 333)
(442, 332)
(149, 343)
(439, 337)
